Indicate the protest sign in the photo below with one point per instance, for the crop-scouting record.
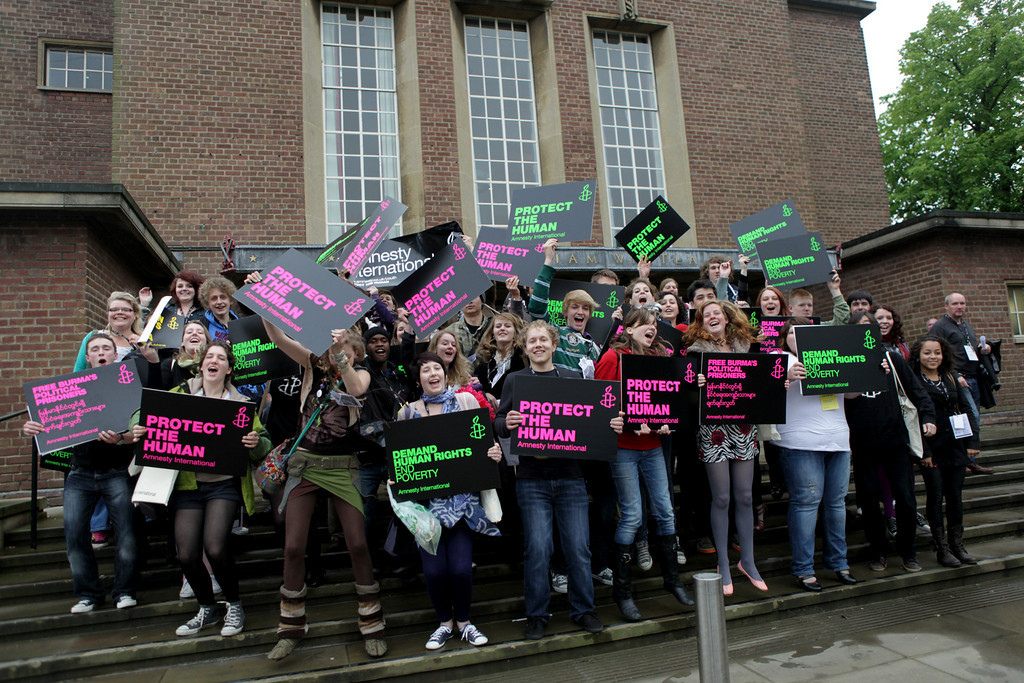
(771, 326)
(76, 407)
(781, 220)
(257, 359)
(168, 331)
(743, 387)
(841, 359)
(440, 288)
(388, 265)
(608, 298)
(565, 418)
(441, 455)
(565, 212)
(671, 338)
(194, 433)
(653, 391)
(147, 331)
(305, 300)
(58, 461)
(798, 261)
(501, 260)
(653, 231)
(372, 231)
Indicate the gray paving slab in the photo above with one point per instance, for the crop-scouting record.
(994, 660)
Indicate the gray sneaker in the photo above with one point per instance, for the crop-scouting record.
(604, 576)
(206, 616)
(643, 556)
(234, 620)
(560, 583)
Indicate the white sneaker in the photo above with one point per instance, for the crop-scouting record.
(643, 556)
(234, 620)
(206, 616)
(186, 591)
(560, 583)
(680, 553)
(126, 601)
(83, 606)
(471, 634)
(439, 637)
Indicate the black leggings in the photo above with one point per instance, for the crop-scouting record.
(209, 530)
(944, 481)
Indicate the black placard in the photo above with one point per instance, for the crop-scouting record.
(442, 455)
(565, 212)
(608, 298)
(652, 231)
(841, 359)
(654, 392)
(440, 288)
(432, 240)
(305, 300)
(58, 461)
(671, 338)
(798, 261)
(501, 259)
(743, 388)
(771, 326)
(170, 327)
(565, 418)
(257, 359)
(194, 433)
(372, 231)
(388, 265)
(781, 220)
(76, 407)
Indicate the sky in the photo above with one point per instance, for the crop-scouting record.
(885, 31)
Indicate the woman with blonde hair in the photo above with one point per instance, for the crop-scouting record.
(124, 325)
(499, 353)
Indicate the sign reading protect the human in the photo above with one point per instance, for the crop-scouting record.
(565, 212)
(565, 418)
(501, 259)
(653, 391)
(841, 359)
(798, 261)
(781, 220)
(441, 455)
(652, 231)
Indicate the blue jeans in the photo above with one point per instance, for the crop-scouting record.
(626, 471)
(82, 489)
(542, 503)
(368, 483)
(813, 478)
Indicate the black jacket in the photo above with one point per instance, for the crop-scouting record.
(876, 420)
(944, 448)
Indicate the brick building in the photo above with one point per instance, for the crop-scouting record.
(279, 122)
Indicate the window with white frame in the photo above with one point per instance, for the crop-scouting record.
(78, 68)
(630, 134)
(503, 115)
(360, 112)
(1015, 302)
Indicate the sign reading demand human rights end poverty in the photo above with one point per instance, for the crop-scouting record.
(442, 455)
(565, 212)
(798, 261)
(841, 359)
(257, 359)
(305, 300)
(440, 288)
(781, 220)
(652, 231)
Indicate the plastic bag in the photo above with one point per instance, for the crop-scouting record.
(423, 526)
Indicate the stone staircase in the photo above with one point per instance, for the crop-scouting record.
(40, 639)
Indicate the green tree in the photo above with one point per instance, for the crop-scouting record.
(953, 135)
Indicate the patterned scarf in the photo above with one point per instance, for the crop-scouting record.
(447, 400)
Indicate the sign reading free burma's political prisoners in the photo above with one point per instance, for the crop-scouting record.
(440, 288)
(565, 418)
(442, 455)
(76, 407)
(797, 261)
(257, 359)
(565, 212)
(841, 359)
(194, 433)
(501, 260)
(743, 387)
(781, 220)
(652, 231)
(305, 300)
(653, 391)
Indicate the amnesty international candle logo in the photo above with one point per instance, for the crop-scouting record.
(662, 206)
(786, 210)
(778, 371)
(354, 307)
(586, 194)
(815, 245)
(172, 324)
(753, 318)
(840, 359)
(477, 430)
(608, 400)
(460, 253)
(125, 376)
(613, 301)
(690, 375)
(241, 419)
(869, 341)
(539, 248)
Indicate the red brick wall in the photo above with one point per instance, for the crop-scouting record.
(47, 135)
(208, 119)
(915, 277)
(54, 277)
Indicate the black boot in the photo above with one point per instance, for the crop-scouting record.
(665, 546)
(942, 554)
(622, 584)
(956, 545)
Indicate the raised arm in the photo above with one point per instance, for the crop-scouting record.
(293, 349)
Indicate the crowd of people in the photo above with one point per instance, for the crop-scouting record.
(581, 521)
